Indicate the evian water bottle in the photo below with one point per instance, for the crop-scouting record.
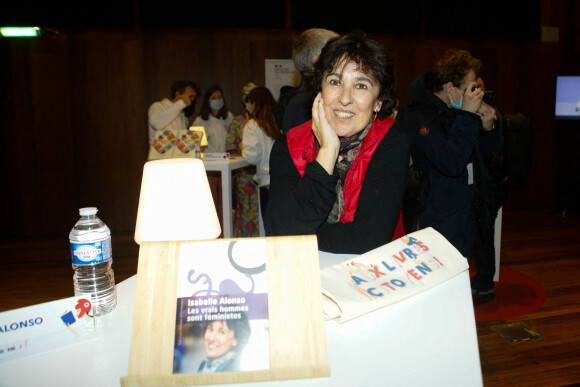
(90, 242)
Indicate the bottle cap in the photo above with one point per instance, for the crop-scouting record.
(86, 211)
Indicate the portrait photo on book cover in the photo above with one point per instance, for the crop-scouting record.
(222, 308)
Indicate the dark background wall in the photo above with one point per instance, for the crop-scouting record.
(74, 102)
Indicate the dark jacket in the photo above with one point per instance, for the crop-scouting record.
(293, 108)
(300, 205)
(444, 142)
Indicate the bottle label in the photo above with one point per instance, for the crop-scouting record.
(91, 253)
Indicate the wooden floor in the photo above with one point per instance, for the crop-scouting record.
(545, 246)
(541, 244)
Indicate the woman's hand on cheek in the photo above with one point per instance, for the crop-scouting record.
(327, 138)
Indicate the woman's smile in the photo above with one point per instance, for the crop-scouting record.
(219, 339)
(343, 114)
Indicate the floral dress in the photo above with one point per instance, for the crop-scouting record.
(246, 210)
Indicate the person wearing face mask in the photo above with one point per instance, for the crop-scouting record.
(452, 132)
(246, 212)
(215, 118)
(173, 114)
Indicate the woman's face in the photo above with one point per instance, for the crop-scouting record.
(218, 339)
(215, 96)
(350, 99)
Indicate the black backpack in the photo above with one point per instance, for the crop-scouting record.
(517, 150)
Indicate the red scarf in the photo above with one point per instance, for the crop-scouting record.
(302, 149)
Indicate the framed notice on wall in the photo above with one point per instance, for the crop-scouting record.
(279, 73)
(227, 310)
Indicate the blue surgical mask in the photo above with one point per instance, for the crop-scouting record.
(216, 104)
(248, 108)
(456, 105)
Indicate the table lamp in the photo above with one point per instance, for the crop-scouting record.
(203, 142)
(200, 129)
(175, 203)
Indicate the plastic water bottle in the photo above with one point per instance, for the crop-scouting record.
(90, 242)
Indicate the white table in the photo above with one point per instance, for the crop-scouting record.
(225, 168)
(426, 340)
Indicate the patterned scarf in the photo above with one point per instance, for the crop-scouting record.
(216, 364)
(349, 149)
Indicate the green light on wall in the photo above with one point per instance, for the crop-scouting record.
(12, 32)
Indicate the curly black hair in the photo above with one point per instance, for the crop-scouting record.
(241, 328)
(371, 58)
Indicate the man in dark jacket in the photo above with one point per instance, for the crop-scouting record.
(452, 131)
(293, 108)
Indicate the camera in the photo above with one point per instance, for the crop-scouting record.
(488, 95)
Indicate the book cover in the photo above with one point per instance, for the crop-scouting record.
(187, 143)
(169, 144)
(222, 308)
(163, 145)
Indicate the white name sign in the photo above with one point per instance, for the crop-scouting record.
(41, 327)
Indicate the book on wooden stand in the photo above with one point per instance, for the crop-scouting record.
(187, 291)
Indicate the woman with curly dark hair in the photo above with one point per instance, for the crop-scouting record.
(342, 175)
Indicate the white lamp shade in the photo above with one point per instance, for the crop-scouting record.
(175, 202)
(200, 129)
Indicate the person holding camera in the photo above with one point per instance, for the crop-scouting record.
(452, 132)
